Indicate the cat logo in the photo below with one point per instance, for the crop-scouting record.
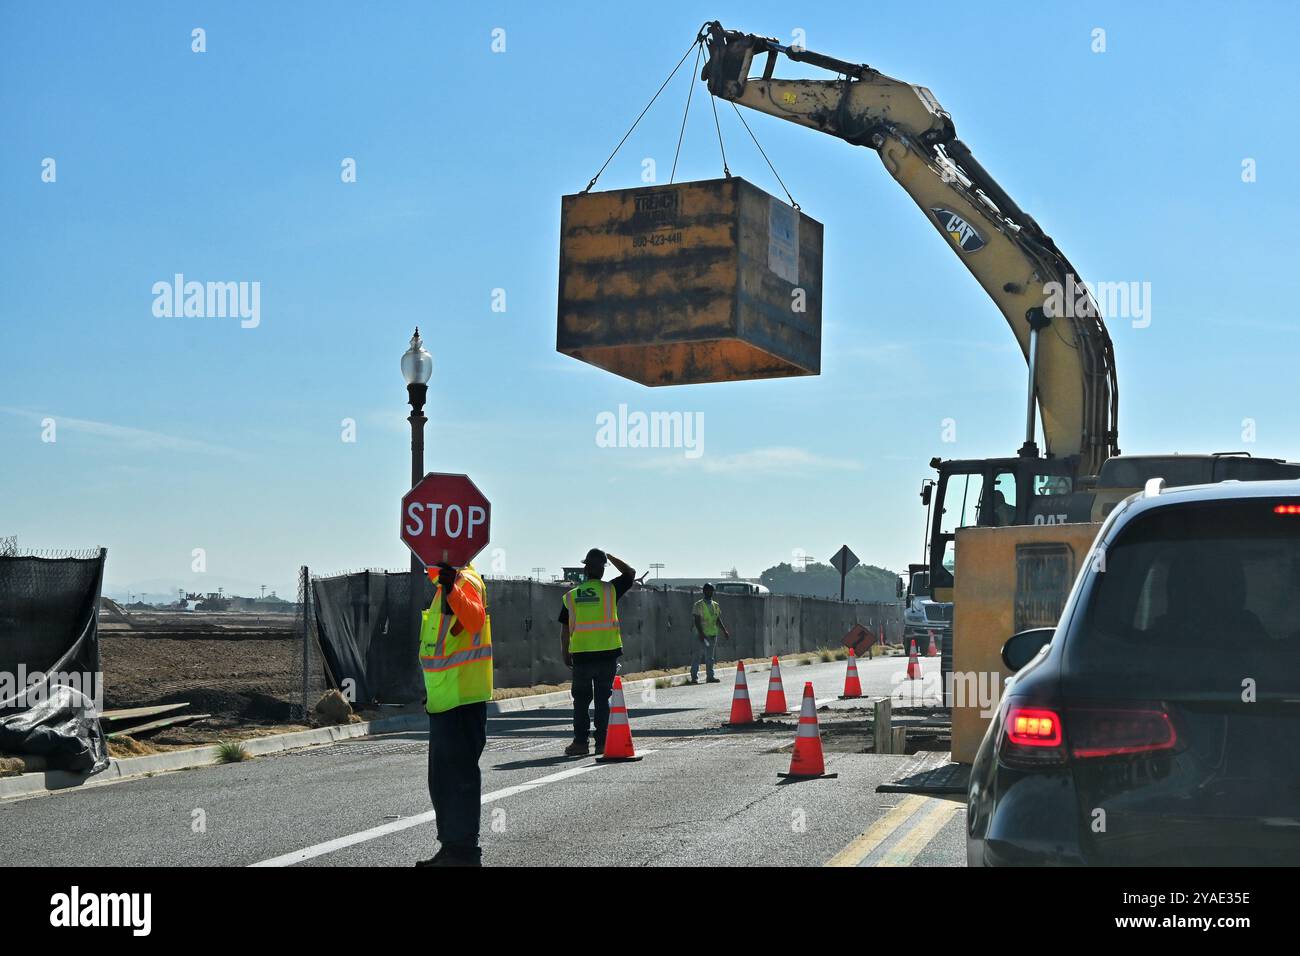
(958, 229)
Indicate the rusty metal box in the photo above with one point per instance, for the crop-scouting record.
(710, 281)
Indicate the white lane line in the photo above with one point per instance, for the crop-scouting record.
(374, 833)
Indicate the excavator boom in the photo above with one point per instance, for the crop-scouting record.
(1038, 291)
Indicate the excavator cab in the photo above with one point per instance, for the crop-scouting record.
(996, 492)
(1029, 490)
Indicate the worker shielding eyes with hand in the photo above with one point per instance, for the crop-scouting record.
(456, 657)
(591, 643)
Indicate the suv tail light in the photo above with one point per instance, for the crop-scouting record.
(1112, 731)
(1034, 727)
(1042, 737)
(1032, 738)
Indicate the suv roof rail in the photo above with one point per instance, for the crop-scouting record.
(1153, 487)
(1232, 454)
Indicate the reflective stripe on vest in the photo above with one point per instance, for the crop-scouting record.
(455, 660)
(709, 613)
(593, 622)
(457, 667)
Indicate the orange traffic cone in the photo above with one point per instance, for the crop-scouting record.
(913, 665)
(852, 686)
(776, 703)
(741, 712)
(618, 734)
(807, 760)
(933, 651)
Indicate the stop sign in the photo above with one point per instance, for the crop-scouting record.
(445, 518)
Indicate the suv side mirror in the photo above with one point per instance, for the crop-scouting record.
(1022, 648)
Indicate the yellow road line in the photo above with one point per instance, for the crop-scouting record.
(919, 836)
(877, 833)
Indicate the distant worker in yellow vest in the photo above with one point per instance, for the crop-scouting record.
(456, 656)
(592, 643)
(707, 618)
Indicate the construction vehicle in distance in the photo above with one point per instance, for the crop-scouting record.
(1079, 474)
(923, 616)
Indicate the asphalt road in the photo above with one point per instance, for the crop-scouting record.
(702, 795)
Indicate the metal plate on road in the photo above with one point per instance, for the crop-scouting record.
(932, 772)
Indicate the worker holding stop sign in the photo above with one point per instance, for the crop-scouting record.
(445, 522)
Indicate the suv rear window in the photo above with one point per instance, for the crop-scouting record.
(1195, 598)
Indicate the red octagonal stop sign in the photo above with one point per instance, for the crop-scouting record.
(445, 518)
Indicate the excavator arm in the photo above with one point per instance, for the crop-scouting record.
(1051, 313)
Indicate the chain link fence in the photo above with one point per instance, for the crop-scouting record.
(314, 675)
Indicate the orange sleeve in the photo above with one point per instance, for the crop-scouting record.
(467, 604)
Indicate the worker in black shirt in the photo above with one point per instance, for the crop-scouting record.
(591, 643)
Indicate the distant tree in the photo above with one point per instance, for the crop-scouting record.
(864, 583)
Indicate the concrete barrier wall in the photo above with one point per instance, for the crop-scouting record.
(657, 631)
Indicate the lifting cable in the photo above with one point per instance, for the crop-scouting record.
(695, 70)
(643, 112)
(760, 149)
(718, 126)
(698, 45)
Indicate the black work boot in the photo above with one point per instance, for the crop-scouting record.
(453, 856)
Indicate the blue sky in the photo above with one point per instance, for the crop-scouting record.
(183, 433)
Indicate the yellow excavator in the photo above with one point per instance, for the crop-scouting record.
(1078, 475)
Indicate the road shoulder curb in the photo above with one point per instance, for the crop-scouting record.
(126, 768)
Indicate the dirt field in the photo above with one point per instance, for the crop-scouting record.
(244, 670)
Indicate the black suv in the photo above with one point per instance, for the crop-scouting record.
(1159, 722)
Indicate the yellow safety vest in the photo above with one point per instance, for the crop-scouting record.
(593, 618)
(709, 613)
(457, 667)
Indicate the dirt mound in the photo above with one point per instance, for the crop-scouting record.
(333, 708)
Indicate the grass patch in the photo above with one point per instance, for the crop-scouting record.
(232, 751)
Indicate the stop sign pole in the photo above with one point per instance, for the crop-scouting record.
(445, 520)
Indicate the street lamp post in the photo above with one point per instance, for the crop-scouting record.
(417, 368)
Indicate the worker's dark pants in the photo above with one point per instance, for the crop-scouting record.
(592, 680)
(456, 739)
